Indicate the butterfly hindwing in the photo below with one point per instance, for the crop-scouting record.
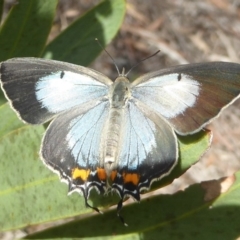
(71, 146)
(38, 89)
(189, 96)
(148, 150)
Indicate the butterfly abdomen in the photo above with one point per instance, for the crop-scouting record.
(113, 133)
(119, 93)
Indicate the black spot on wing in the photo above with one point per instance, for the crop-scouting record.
(62, 74)
(179, 76)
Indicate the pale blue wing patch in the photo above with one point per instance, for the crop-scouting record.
(84, 136)
(168, 95)
(63, 90)
(73, 138)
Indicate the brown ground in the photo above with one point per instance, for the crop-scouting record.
(185, 31)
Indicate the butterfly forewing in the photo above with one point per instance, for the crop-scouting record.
(189, 96)
(38, 89)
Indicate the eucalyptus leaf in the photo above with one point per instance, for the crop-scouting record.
(184, 215)
(77, 44)
(1, 8)
(25, 30)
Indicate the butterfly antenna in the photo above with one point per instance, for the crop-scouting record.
(108, 55)
(141, 62)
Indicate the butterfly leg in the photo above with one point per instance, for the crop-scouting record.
(88, 205)
(119, 208)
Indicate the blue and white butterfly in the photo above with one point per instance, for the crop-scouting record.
(115, 134)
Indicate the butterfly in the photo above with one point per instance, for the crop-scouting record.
(116, 135)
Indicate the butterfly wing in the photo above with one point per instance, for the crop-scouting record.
(148, 150)
(189, 96)
(71, 147)
(38, 89)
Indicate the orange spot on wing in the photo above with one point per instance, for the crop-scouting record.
(131, 177)
(80, 173)
(101, 174)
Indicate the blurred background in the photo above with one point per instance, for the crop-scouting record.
(185, 31)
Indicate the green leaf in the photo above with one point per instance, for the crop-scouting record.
(192, 148)
(2, 98)
(183, 215)
(77, 43)
(1, 8)
(9, 120)
(25, 180)
(26, 28)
